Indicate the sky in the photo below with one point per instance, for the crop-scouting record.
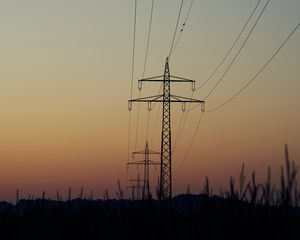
(65, 77)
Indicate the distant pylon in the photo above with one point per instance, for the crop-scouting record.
(166, 99)
(146, 162)
(135, 185)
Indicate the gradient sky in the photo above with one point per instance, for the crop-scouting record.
(65, 73)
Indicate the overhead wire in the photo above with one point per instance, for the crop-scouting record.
(156, 118)
(242, 89)
(231, 48)
(131, 85)
(238, 52)
(132, 74)
(184, 24)
(137, 122)
(148, 39)
(191, 142)
(180, 129)
(176, 43)
(133, 49)
(258, 72)
(178, 132)
(147, 125)
(143, 74)
(171, 49)
(175, 31)
(222, 62)
(145, 62)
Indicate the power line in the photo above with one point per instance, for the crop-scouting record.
(180, 130)
(191, 143)
(146, 57)
(258, 73)
(147, 126)
(133, 49)
(240, 91)
(175, 31)
(132, 76)
(231, 63)
(237, 54)
(148, 39)
(137, 123)
(231, 48)
(131, 84)
(172, 48)
(184, 24)
(157, 115)
(188, 14)
(183, 120)
(143, 74)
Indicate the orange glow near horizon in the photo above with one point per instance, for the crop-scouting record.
(65, 81)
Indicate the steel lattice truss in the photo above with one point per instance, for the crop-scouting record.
(166, 98)
(146, 162)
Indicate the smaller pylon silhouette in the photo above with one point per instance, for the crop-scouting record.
(136, 186)
(146, 162)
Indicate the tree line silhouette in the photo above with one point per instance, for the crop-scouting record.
(248, 210)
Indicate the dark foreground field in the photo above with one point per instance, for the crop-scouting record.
(184, 217)
(247, 210)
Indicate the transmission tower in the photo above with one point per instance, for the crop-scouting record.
(166, 98)
(146, 163)
(136, 186)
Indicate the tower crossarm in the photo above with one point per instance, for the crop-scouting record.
(146, 152)
(137, 163)
(175, 98)
(150, 162)
(146, 99)
(153, 152)
(172, 99)
(172, 79)
(159, 98)
(153, 163)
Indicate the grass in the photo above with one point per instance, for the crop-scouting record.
(247, 210)
(265, 194)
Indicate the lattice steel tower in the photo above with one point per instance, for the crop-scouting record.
(135, 185)
(166, 98)
(146, 162)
